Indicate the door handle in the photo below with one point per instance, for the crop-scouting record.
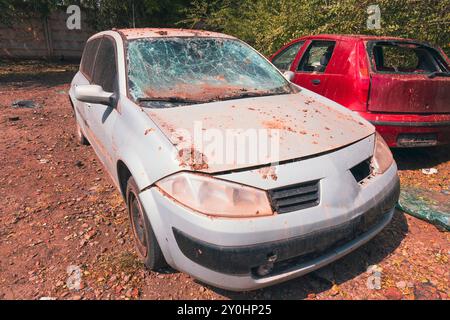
(315, 81)
(88, 105)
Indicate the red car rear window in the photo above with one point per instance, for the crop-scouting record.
(405, 57)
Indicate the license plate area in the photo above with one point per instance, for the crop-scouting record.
(417, 140)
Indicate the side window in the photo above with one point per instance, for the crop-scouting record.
(105, 70)
(87, 62)
(317, 57)
(284, 59)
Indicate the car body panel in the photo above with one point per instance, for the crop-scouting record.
(131, 34)
(307, 126)
(409, 94)
(351, 80)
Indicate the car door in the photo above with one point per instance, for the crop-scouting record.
(102, 118)
(311, 70)
(283, 60)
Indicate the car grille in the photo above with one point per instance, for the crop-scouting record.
(295, 197)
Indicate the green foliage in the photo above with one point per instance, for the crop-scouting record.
(119, 13)
(18, 9)
(269, 24)
(101, 14)
(266, 24)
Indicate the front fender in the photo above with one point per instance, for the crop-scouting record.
(142, 147)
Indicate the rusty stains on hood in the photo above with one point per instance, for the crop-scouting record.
(305, 126)
(192, 158)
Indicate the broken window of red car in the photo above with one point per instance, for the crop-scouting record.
(284, 59)
(398, 57)
(317, 57)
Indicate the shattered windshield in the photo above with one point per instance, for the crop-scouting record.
(199, 70)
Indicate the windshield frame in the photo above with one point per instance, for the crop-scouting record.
(287, 83)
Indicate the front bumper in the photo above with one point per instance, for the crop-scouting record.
(397, 128)
(224, 252)
(288, 253)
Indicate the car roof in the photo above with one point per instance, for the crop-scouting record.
(352, 37)
(138, 33)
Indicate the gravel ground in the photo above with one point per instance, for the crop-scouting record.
(60, 209)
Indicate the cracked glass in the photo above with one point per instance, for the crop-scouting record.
(193, 69)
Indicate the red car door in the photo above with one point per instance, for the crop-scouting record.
(310, 72)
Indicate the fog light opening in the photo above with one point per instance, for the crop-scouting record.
(265, 269)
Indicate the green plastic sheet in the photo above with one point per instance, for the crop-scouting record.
(427, 205)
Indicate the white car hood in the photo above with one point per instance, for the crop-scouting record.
(307, 124)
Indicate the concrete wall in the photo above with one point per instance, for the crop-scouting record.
(43, 38)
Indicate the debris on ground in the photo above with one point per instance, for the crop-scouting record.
(429, 171)
(30, 104)
(426, 205)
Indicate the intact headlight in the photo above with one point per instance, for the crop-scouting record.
(216, 197)
(382, 155)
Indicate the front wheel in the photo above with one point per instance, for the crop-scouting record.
(144, 237)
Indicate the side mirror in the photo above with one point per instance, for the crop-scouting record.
(289, 75)
(91, 93)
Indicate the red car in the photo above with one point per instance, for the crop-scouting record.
(401, 86)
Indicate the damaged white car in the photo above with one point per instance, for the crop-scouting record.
(230, 172)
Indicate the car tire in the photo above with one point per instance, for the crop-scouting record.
(81, 139)
(144, 237)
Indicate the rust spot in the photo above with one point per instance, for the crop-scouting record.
(268, 172)
(157, 32)
(190, 157)
(147, 131)
(277, 124)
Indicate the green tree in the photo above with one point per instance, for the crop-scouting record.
(269, 24)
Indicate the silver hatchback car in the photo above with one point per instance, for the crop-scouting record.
(229, 171)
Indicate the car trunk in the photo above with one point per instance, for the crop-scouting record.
(407, 78)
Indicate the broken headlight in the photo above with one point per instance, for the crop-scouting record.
(382, 155)
(216, 197)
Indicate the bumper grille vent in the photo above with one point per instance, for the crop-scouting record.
(295, 197)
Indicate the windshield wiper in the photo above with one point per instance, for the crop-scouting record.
(252, 94)
(169, 99)
(438, 74)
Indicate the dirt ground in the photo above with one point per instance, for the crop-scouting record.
(60, 209)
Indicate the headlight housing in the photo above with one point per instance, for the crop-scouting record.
(382, 155)
(216, 197)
